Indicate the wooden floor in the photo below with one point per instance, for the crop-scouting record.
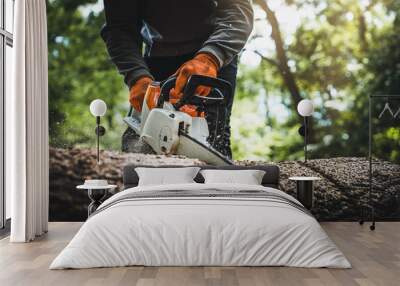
(375, 257)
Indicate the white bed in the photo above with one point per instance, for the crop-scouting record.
(267, 229)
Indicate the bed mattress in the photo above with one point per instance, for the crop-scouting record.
(201, 225)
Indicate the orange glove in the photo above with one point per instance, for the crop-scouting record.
(138, 91)
(202, 64)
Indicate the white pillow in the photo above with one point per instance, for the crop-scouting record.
(166, 176)
(247, 177)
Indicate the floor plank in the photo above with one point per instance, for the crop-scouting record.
(375, 257)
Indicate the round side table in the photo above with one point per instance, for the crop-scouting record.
(96, 194)
(305, 189)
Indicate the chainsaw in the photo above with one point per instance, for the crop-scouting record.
(168, 130)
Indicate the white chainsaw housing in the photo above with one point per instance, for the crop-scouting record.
(169, 131)
(161, 129)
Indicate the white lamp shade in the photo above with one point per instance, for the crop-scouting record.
(98, 107)
(305, 107)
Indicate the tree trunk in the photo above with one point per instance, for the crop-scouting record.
(283, 66)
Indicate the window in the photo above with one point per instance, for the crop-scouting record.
(6, 60)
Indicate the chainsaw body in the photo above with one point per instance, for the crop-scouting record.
(167, 130)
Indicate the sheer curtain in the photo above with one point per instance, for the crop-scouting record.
(27, 124)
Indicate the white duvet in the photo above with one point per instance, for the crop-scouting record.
(200, 231)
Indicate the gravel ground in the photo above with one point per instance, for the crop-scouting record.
(336, 197)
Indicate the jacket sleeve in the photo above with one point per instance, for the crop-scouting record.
(121, 34)
(234, 23)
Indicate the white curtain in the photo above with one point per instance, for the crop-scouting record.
(27, 124)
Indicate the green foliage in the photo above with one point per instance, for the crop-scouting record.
(80, 71)
(338, 58)
(341, 53)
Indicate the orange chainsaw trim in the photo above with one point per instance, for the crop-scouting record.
(191, 110)
(152, 95)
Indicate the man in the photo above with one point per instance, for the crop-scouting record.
(181, 37)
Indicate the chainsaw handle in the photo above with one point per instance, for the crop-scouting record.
(130, 111)
(166, 86)
(221, 86)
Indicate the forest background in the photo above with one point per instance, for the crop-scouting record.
(334, 52)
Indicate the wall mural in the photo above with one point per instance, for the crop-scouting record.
(293, 89)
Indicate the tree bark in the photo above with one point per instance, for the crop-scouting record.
(286, 73)
(362, 25)
(362, 32)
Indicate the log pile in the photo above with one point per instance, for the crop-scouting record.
(337, 196)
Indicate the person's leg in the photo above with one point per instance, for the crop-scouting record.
(220, 132)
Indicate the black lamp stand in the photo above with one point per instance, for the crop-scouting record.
(305, 137)
(100, 131)
(303, 131)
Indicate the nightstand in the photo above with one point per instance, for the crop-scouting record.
(305, 189)
(96, 194)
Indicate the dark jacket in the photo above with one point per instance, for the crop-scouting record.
(173, 27)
